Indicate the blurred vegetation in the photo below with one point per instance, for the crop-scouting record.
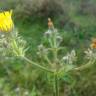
(75, 19)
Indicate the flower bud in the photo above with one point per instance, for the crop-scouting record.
(17, 89)
(26, 93)
(40, 47)
(47, 34)
(59, 39)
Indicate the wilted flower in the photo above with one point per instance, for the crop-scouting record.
(89, 54)
(89, 51)
(70, 57)
(50, 24)
(93, 45)
(6, 23)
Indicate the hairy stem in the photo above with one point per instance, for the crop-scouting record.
(85, 66)
(56, 85)
(37, 65)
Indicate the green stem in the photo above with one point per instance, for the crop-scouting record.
(55, 53)
(85, 66)
(50, 42)
(37, 65)
(56, 85)
(47, 59)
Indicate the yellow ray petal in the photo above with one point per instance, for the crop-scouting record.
(6, 23)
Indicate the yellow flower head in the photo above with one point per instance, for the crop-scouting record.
(6, 23)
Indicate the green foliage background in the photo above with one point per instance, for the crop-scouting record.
(76, 21)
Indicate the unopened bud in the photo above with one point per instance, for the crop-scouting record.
(48, 33)
(40, 47)
(59, 38)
